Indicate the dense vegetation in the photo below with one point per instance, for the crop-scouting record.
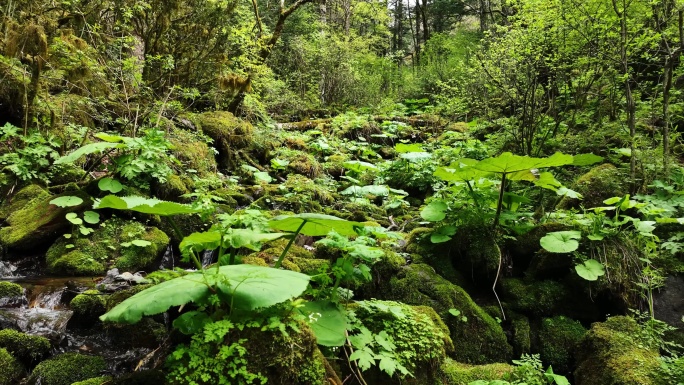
(476, 192)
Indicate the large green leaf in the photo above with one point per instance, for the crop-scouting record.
(327, 321)
(315, 225)
(198, 242)
(585, 159)
(561, 241)
(435, 211)
(403, 148)
(508, 163)
(359, 166)
(590, 270)
(248, 287)
(253, 287)
(144, 205)
(460, 171)
(109, 184)
(89, 148)
(237, 238)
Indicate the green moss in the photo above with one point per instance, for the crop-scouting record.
(611, 354)
(173, 188)
(76, 263)
(193, 151)
(20, 199)
(520, 331)
(37, 222)
(145, 377)
(420, 337)
(300, 162)
(104, 248)
(10, 368)
(160, 276)
(333, 164)
(10, 289)
(600, 183)
(87, 307)
(479, 340)
(95, 381)
(558, 339)
(67, 368)
(25, 347)
(456, 373)
(310, 266)
(537, 298)
(121, 295)
(229, 134)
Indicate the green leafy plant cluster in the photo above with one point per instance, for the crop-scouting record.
(26, 157)
(528, 371)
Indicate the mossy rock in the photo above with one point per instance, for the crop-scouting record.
(229, 134)
(67, 173)
(537, 298)
(173, 188)
(612, 354)
(333, 164)
(598, 184)
(95, 381)
(520, 334)
(147, 333)
(193, 151)
(457, 373)
(106, 248)
(87, 307)
(11, 294)
(27, 348)
(300, 162)
(480, 340)
(558, 339)
(310, 265)
(420, 337)
(67, 368)
(10, 369)
(266, 354)
(20, 199)
(524, 248)
(36, 222)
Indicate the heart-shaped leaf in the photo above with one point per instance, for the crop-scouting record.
(327, 321)
(435, 211)
(590, 270)
(74, 219)
(561, 241)
(91, 217)
(443, 234)
(109, 184)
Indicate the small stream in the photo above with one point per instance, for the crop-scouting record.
(43, 310)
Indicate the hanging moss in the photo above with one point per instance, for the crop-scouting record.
(95, 381)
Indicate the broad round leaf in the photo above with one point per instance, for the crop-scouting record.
(358, 166)
(561, 241)
(144, 205)
(327, 321)
(109, 184)
(443, 234)
(590, 270)
(140, 242)
(91, 217)
(66, 201)
(315, 225)
(73, 218)
(435, 211)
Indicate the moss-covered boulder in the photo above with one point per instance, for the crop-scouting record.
(67, 368)
(251, 353)
(32, 221)
(111, 245)
(10, 369)
(558, 340)
(145, 377)
(537, 298)
(478, 340)
(27, 348)
(193, 151)
(421, 340)
(600, 183)
(299, 162)
(87, 307)
(457, 373)
(229, 134)
(11, 294)
(611, 353)
(520, 332)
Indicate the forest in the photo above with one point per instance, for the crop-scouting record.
(342, 192)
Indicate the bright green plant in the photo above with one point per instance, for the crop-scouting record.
(26, 157)
(528, 371)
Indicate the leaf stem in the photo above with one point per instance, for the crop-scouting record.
(289, 244)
